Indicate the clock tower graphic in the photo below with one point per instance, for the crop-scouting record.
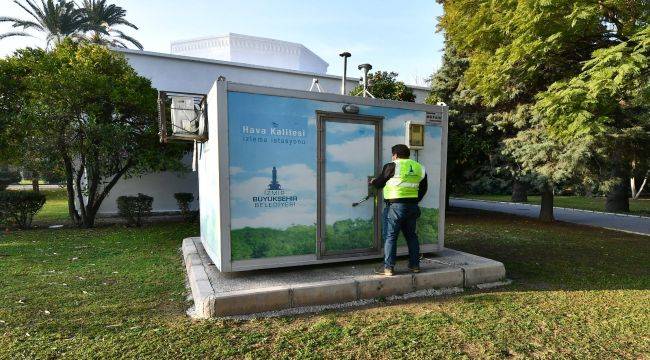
(274, 185)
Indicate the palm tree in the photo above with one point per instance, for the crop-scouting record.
(100, 20)
(57, 19)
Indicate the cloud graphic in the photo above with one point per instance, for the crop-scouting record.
(387, 143)
(397, 123)
(355, 152)
(342, 189)
(299, 179)
(234, 170)
(337, 127)
(294, 177)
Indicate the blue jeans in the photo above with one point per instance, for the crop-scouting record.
(400, 217)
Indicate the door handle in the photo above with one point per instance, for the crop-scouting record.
(372, 192)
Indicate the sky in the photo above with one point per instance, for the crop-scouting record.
(391, 35)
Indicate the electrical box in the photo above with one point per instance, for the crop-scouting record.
(414, 135)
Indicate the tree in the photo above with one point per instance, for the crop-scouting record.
(384, 85)
(518, 49)
(95, 21)
(32, 156)
(607, 105)
(7, 177)
(544, 161)
(96, 116)
(11, 99)
(472, 140)
(57, 19)
(100, 20)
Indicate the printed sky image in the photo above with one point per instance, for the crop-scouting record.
(255, 150)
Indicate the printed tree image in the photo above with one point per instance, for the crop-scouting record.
(255, 243)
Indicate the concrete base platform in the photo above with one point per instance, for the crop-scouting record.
(227, 294)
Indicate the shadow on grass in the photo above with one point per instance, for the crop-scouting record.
(558, 255)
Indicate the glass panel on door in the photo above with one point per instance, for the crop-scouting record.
(348, 216)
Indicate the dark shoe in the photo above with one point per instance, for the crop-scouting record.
(386, 271)
(414, 270)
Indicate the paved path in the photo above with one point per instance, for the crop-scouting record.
(630, 223)
(29, 187)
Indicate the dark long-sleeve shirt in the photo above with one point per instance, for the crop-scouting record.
(388, 172)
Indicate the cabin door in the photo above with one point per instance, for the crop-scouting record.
(349, 154)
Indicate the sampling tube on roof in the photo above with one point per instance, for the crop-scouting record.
(345, 55)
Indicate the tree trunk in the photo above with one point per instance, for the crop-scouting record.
(89, 219)
(546, 208)
(89, 211)
(618, 199)
(636, 193)
(69, 183)
(79, 192)
(519, 191)
(35, 185)
(446, 199)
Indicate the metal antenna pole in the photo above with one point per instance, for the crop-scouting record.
(315, 83)
(365, 68)
(345, 56)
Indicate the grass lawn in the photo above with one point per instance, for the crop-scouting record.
(578, 292)
(55, 209)
(637, 207)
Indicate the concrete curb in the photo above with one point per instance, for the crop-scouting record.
(555, 207)
(483, 273)
(209, 304)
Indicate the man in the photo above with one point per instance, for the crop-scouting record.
(405, 184)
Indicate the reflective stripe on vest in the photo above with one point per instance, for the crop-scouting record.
(406, 180)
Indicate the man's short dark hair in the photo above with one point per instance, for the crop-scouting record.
(402, 151)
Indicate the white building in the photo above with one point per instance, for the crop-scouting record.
(252, 50)
(239, 58)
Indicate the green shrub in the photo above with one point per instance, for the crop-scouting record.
(7, 178)
(184, 200)
(20, 206)
(490, 185)
(134, 208)
(4, 219)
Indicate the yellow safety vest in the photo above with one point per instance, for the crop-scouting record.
(406, 180)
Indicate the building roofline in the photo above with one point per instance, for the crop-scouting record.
(241, 65)
(250, 37)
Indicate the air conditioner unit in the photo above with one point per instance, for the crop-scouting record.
(184, 116)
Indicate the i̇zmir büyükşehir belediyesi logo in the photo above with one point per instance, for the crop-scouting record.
(275, 196)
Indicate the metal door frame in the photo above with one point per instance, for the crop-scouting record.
(322, 117)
